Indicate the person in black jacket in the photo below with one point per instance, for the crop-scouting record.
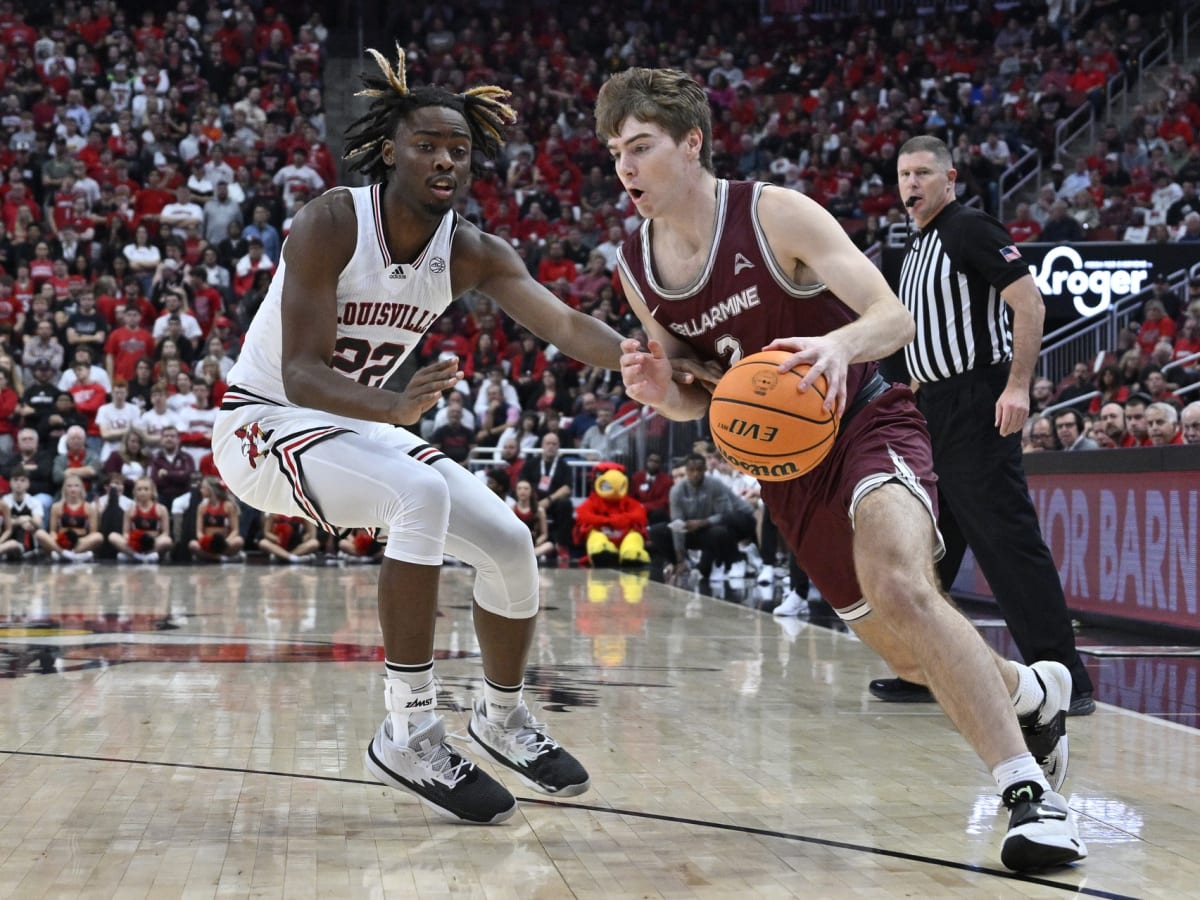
(550, 476)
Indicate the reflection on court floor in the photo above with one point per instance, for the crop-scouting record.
(199, 731)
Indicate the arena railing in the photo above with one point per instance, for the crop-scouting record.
(1065, 404)
(1091, 337)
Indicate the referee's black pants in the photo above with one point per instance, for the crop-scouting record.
(984, 504)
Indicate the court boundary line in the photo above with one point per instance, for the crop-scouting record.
(658, 817)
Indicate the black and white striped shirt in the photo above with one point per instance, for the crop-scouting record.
(951, 279)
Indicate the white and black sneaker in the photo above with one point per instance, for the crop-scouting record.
(1045, 729)
(429, 767)
(522, 745)
(1041, 831)
(791, 605)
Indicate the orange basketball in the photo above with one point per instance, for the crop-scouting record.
(766, 427)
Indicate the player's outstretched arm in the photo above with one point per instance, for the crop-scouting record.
(486, 263)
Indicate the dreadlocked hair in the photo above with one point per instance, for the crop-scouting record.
(483, 107)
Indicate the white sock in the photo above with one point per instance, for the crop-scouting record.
(410, 696)
(499, 700)
(1018, 769)
(1029, 693)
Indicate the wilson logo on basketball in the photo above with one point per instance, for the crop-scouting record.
(773, 472)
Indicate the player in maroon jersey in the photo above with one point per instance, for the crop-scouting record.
(724, 269)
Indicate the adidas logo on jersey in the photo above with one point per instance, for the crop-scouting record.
(398, 272)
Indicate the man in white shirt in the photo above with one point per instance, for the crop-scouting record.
(157, 417)
(196, 423)
(99, 374)
(298, 178)
(216, 169)
(996, 151)
(116, 418)
(1165, 193)
(1078, 180)
(183, 211)
(174, 301)
(254, 260)
(608, 249)
(193, 143)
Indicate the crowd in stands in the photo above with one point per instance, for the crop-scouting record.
(1128, 397)
(152, 165)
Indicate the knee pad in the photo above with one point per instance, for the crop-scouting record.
(416, 516)
(506, 577)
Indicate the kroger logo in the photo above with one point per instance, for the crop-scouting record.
(1091, 284)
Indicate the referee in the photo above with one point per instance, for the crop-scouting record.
(973, 363)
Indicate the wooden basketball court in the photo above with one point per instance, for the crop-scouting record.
(195, 732)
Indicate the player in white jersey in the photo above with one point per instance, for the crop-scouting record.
(305, 429)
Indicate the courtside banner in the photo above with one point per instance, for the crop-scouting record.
(1125, 537)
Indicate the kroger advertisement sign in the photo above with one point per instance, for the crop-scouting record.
(1078, 281)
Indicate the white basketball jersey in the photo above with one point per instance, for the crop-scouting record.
(383, 307)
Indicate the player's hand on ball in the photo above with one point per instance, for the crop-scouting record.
(424, 389)
(824, 355)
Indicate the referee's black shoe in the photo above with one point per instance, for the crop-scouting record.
(897, 690)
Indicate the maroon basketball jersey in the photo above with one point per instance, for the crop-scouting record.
(742, 299)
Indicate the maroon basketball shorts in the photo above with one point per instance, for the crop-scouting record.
(886, 441)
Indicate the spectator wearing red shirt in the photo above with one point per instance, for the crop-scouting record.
(17, 32)
(1024, 227)
(1154, 328)
(23, 288)
(12, 310)
(1176, 124)
(443, 338)
(879, 199)
(60, 279)
(89, 396)
(9, 401)
(90, 27)
(41, 267)
(1187, 342)
(148, 31)
(205, 300)
(554, 265)
(1157, 388)
(527, 363)
(1089, 78)
(652, 486)
(534, 226)
(15, 200)
(150, 200)
(127, 344)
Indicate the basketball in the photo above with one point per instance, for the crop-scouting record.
(763, 425)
